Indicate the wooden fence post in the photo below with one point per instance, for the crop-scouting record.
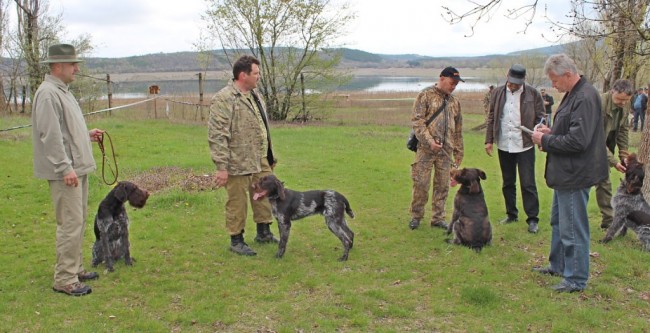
(24, 99)
(109, 88)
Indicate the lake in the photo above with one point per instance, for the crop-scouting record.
(362, 83)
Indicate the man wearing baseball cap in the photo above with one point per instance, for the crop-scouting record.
(439, 142)
(63, 156)
(513, 105)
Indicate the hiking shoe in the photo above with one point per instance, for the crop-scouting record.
(414, 224)
(85, 276)
(546, 271)
(74, 289)
(440, 224)
(267, 238)
(242, 248)
(264, 234)
(565, 287)
(508, 220)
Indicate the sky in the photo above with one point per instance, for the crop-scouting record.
(121, 28)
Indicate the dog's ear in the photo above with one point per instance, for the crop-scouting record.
(474, 186)
(482, 174)
(280, 186)
(120, 191)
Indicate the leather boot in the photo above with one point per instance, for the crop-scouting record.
(264, 234)
(240, 247)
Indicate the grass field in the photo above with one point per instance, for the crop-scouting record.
(396, 280)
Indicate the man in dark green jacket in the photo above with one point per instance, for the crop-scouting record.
(616, 109)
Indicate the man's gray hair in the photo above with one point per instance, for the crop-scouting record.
(623, 86)
(560, 64)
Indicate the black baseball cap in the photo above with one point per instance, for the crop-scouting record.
(452, 73)
(517, 74)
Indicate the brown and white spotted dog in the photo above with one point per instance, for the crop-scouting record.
(470, 223)
(112, 224)
(291, 205)
(631, 210)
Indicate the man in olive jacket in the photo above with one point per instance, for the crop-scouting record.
(512, 105)
(576, 160)
(240, 146)
(616, 109)
(63, 155)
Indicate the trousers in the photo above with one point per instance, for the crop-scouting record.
(71, 207)
(239, 194)
(421, 169)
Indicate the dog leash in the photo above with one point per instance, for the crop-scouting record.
(453, 163)
(105, 159)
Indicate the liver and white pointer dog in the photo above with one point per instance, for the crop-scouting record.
(470, 222)
(631, 210)
(291, 205)
(112, 224)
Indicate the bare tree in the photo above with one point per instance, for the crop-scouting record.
(3, 31)
(621, 27)
(290, 38)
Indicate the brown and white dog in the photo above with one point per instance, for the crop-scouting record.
(470, 223)
(291, 205)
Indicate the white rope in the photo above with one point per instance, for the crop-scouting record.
(89, 113)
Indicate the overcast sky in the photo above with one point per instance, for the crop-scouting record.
(120, 28)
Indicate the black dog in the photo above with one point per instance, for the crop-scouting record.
(290, 205)
(112, 224)
(470, 223)
(631, 210)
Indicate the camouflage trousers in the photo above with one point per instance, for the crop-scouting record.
(421, 169)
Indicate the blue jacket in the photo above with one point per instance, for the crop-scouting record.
(577, 156)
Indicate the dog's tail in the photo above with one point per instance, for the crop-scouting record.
(348, 209)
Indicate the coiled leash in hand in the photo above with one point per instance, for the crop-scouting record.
(106, 160)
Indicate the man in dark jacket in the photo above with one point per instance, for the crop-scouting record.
(513, 105)
(548, 105)
(576, 161)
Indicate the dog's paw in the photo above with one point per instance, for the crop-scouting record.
(605, 240)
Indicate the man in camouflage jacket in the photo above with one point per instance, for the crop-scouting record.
(438, 142)
(240, 146)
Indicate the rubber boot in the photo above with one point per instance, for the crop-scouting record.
(240, 247)
(264, 234)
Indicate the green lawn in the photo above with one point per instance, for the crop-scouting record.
(186, 280)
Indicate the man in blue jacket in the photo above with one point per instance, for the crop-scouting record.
(576, 161)
(640, 105)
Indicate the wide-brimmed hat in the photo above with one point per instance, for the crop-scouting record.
(61, 53)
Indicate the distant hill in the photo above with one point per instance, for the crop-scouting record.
(351, 58)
